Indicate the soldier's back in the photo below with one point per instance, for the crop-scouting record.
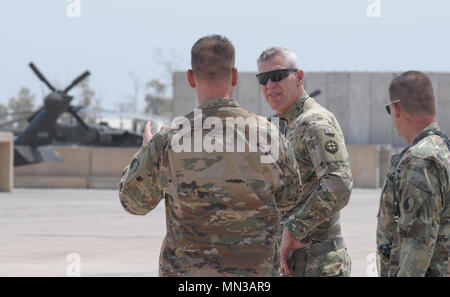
(222, 217)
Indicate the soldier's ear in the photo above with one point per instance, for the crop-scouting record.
(234, 76)
(300, 77)
(191, 78)
(396, 110)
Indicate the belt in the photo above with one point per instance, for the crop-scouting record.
(324, 247)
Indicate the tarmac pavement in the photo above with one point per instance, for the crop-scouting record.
(71, 232)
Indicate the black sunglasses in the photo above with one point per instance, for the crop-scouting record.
(388, 106)
(275, 75)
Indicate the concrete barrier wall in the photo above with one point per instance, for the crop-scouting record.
(356, 98)
(369, 164)
(101, 168)
(83, 167)
(76, 163)
(365, 165)
(6, 162)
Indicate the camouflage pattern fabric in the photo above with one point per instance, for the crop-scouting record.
(419, 241)
(320, 262)
(222, 208)
(323, 162)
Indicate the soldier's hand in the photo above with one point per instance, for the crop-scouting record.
(147, 133)
(289, 243)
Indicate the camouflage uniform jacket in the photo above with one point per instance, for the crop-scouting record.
(323, 162)
(222, 208)
(419, 240)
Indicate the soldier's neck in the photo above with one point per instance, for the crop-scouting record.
(293, 100)
(413, 128)
(213, 91)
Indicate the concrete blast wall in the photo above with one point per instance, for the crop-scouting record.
(83, 167)
(88, 167)
(6, 162)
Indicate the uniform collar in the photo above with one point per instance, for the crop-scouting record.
(218, 102)
(293, 111)
(432, 127)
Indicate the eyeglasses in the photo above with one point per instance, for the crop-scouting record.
(388, 106)
(275, 75)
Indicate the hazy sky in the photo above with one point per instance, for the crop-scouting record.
(114, 38)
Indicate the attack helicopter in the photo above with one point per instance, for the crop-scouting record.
(33, 145)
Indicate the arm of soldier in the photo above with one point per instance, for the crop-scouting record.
(141, 186)
(420, 206)
(329, 156)
(291, 190)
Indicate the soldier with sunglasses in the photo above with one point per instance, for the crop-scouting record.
(312, 242)
(414, 217)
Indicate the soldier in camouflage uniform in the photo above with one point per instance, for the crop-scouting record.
(312, 230)
(222, 208)
(414, 216)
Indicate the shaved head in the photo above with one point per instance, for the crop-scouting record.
(212, 58)
(415, 92)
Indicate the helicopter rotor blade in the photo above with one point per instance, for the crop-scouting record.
(129, 115)
(76, 81)
(41, 77)
(99, 110)
(73, 112)
(16, 113)
(12, 121)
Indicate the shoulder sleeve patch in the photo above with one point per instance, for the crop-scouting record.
(414, 199)
(331, 146)
(408, 204)
(325, 144)
(134, 165)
